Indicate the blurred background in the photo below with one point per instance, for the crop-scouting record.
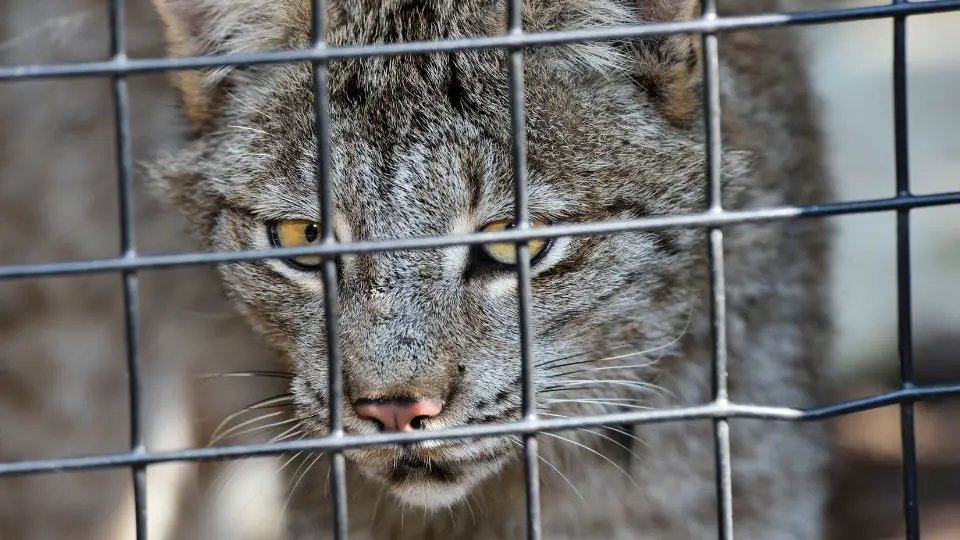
(58, 202)
(852, 67)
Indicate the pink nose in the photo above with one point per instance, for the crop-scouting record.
(397, 414)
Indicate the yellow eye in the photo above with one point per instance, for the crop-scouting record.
(296, 233)
(506, 253)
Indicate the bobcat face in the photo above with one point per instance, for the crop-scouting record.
(421, 146)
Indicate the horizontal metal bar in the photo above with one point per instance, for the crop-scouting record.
(508, 41)
(693, 220)
(709, 411)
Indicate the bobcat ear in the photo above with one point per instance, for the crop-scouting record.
(198, 27)
(668, 67)
(188, 27)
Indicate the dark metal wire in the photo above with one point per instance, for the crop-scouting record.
(338, 467)
(531, 460)
(118, 66)
(693, 220)
(911, 510)
(504, 41)
(128, 251)
(718, 298)
(701, 412)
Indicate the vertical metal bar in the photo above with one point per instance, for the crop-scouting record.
(131, 291)
(911, 511)
(522, 222)
(331, 294)
(718, 311)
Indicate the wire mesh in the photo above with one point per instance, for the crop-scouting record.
(338, 466)
(513, 41)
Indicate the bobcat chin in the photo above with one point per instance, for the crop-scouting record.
(421, 146)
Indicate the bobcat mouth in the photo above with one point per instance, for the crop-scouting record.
(429, 479)
(412, 468)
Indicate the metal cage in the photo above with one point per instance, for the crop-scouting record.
(515, 40)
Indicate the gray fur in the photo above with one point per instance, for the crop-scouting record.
(421, 147)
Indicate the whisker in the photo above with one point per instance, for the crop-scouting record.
(546, 363)
(253, 373)
(599, 402)
(638, 385)
(611, 428)
(376, 506)
(683, 332)
(289, 461)
(291, 432)
(591, 450)
(268, 403)
(605, 368)
(237, 466)
(556, 388)
(608, 358)
(473, 516)
(300, 468)
(628, 435)
(217, 435)
(554, 468)
(283, 511)
(624, 399)
(620, 357)
(247, 128)
(259, 428)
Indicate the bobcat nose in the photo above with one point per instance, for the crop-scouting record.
(397, 414)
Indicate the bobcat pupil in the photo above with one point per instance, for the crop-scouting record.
(310, 233)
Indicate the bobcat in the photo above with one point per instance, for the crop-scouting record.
(421, 147)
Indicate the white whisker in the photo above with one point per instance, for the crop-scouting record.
(611, 428)
(236, 469)
(632, 354)
(547, 363)
(661, 348)
(283, 511)
(289, 461)
(598, 402)
(470, 508)
(604, 368)
(591, 450)
(565, 479)
(292, 432)
(639, 385)
(626, 400)
(376, 505)
(218, 436)
(266, 404)
(248, 128)
(261, 373)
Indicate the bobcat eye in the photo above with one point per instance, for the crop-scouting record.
(506, 253)
(297, 233)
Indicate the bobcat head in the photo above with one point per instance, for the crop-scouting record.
(421, 146)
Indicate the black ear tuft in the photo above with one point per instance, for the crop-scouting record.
(187, 29)
(668, 67)
(198, 27)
